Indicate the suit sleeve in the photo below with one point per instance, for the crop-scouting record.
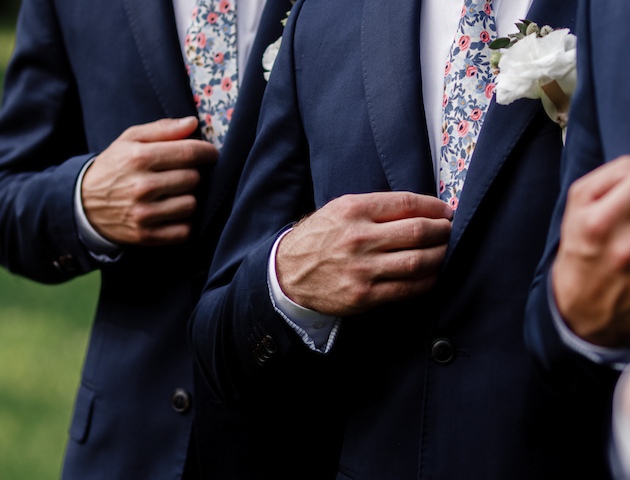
(239, 340)
(42, 151)
(593, 114)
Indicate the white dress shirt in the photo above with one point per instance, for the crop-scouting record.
(247, 20)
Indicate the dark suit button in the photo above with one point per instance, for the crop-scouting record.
(270, 344)
(265, 350)
(443, 351)
(65, 264)
(260, 357)
(180, 400)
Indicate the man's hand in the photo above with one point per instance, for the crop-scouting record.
(359, 251)
(139, 190)
(591, 273)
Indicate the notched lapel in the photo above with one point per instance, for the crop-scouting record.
(392, 81)
(153, 26)
(242, 132)
(503, 127)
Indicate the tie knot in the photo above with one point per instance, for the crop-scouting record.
(474, 8)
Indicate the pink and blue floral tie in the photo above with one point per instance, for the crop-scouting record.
(468, 89)
(212, 65)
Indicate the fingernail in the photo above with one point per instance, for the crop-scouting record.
(187, 120)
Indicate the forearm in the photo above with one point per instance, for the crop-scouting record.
(42, 147)
(567, 371)
(39, 236)
(238, 338)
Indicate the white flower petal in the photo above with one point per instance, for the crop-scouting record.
(269, 57)
(534, 61)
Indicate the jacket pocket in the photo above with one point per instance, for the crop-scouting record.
(83, 407)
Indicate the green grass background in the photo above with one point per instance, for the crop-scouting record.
(43, 335)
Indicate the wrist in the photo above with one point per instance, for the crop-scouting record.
(97, 245)
(588, 312)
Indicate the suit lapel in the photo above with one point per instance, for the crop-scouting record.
(153, 26)
(242, 132)
(503, 127)
(392, 81)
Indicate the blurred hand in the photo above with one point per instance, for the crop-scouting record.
(591, 273)
(139, 190)
(359, 251)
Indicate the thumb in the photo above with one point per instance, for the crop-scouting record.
(162, 130)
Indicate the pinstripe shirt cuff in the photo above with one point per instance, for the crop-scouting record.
(317, 331)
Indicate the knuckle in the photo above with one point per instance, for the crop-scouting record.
(185, 232)
(595, 228)
(181, 233)
(349, 206)
(359, 295)
(620, 256)
(413, 263)
(577, 190)
(190, 179)
(141, 214)
(164, 123)
(417, 230)
(189, 204)
(140, 159)
(142, 236)
(131, 132)
(354, 239)
(406, 200)
(342, 204)
(405, 289)
(194, 177)
(142, 188)
(188, 152)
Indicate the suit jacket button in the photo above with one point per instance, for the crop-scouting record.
(181, 401)
(65, 264)
(443, 351)
(269, 345)
(260, 356)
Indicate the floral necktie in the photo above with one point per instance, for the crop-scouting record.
(468, 89)
(212, 66)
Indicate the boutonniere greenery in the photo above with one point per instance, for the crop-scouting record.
(537, 63)
(271, 52)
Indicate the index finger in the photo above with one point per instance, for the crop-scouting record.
(603, 179)
(178, 154)
(614, 205)
(390, 206)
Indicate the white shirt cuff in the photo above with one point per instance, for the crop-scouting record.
(317, 331)
(615, 358)
(100, 248)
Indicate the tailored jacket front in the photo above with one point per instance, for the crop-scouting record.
(598, 115)
(439, 386)
(82, 73)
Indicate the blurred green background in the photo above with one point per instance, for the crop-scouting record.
(43, 336)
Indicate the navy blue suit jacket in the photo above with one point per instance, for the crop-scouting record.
(343, 113)
(596, 134)
(83, 72)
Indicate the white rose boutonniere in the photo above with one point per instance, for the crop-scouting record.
(271, 52)
(269, 57)
(537, 63)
